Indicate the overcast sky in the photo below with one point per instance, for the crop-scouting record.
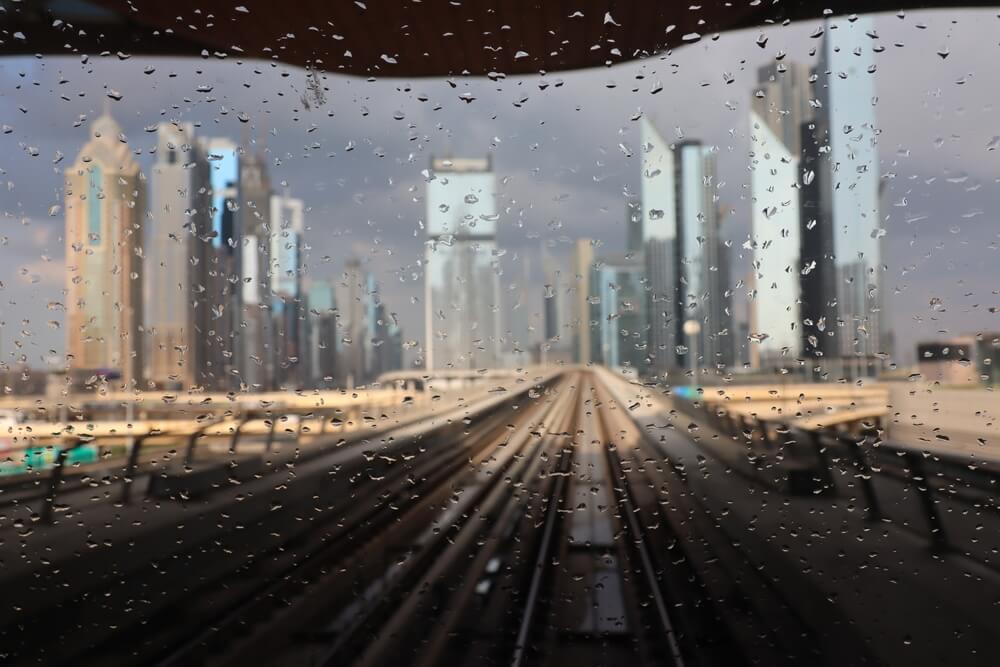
(566, 146)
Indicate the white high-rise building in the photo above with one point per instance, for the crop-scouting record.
(462, 285)
(780, 107)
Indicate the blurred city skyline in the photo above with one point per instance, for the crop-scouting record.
(368, 199)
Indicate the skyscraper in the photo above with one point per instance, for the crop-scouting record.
(353, 350)
(177, 252)
(658, 222)
(386, 343)
(287, 301)
(321, 335)
(818, 293)
(462, 285)
(393, 352)
(816, 227)
(703, 271)
(661, 303)
(685, 259)
(522, 309)
(373, 326)
(255, 340)
(105, 204)
(554, 316)
(223, 284)
(846, 89)
(780, 107)
(618, 303)
(583, 263)
(633, 225)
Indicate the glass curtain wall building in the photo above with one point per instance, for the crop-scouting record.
(223, 271)
(779, 109)
(703, 272)
(581, 324)
(352, 353)
(177, 312)
(850, 200)
(256, 333)
(815, 215)
(287, 220)
(322, 335)
(618, 306)
(685, 259)
(658, 224)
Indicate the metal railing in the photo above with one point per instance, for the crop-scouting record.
(954, 493)
(56, 474)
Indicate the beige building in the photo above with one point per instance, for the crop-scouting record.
(583, 262)
(949, 362)
(177, 246)
(105, 204)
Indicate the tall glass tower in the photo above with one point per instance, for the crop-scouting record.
(703, 266)
(618, 307)
(177, 246)
(780, 107)
(224, 249)
(462, 284)
(850, 200)
(256, 338)
(658, 225)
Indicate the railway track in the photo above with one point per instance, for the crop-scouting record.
(601, 560)
(551, 531)
(543, 561)
(729, 610)
(314, 513)
(380, 588)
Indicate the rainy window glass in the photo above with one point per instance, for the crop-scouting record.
(477, 333)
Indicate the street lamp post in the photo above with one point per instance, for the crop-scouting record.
(691, 329)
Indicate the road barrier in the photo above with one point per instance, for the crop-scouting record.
(947, 499)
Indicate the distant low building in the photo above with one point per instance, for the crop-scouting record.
(617, 305)
(321, 335)
(23, 381)
(948, 361)
(988, 357)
